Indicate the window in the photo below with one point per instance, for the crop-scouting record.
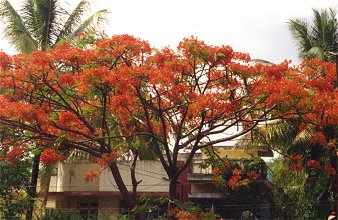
(88, 210)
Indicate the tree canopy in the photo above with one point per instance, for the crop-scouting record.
(97, 96)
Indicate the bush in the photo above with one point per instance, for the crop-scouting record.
(58, 215)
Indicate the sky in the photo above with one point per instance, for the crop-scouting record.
(257, 27)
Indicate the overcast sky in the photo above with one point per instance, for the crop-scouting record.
(257, 27)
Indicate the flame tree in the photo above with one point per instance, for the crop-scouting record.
(100, 96)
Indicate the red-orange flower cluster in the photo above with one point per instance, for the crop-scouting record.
(330, 170)
(314, 164)
(192, 215)
(296, 162)
(49, 157)
(318, 139)
(106, 159)
(16, 154)
(236, 181)
(91, 174)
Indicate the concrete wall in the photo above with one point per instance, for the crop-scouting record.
(152, 174)
(235, 153)
(71, 178)
(204, 187)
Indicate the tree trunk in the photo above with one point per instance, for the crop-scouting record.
(45, 178)
(172, 195)
(32, 188)
(128, 197)
(172, 188)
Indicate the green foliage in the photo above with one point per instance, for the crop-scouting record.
(41, 24)
(305, 194)
(235, 174)
(149, 207)
(157, 208)
(14, 179)
(188, 210)
(60, 216)
(299, 195)
(316, 39)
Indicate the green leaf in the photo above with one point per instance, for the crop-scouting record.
(37, 151)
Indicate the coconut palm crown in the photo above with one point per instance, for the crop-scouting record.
(318, 38)
(40, 24)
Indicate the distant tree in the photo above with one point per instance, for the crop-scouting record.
(316, 39)
(304, 194)
(14, 182)
(302, 175)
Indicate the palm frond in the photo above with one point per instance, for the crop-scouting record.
(325, 32)
(316, 52)
(43, 19)
(303, 137)
(15, 29)
(74, 19)
(262, 61)
(32, 18)
(278, 135)
(319, 38)
(319, 26)
(51, 13)
(95, 20)
(299, 30)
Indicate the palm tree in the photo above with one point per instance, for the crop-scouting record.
(315, 40)
(318, 38)
(310, 189)
(39, 25)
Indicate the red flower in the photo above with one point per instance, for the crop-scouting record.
(234, 183)
(296, 158)
(253, 175)
(296, 163)
(332, 144)
(49, 157)
(91, 175)
(215, 170)
(105, 160)
(314, 164)
(330, 170)
(245, 182)
(237, 171)
(16, 154)
(318, 139)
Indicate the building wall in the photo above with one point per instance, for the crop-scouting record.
(204, 187)
(69, 190)
(152, 174)
(235, 153)
(71, 178)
